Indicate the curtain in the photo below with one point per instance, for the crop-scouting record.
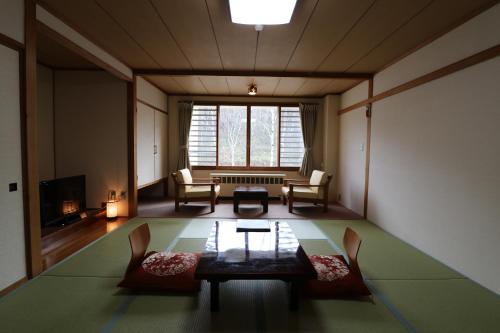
(185, 113)
(308, 114)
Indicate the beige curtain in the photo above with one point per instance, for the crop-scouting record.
(185, 113)
(308, 114)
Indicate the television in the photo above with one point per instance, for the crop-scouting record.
(62, 200)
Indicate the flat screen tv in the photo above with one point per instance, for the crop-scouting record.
(62, 200)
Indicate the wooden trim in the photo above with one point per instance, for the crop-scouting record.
(246, 103)
(194, 72)
(279, 135)
(456, 24)
(151, 106)
(54, 122)
(302, 99)
(472, 60)
(66, 21)
(10, 42)
(13, 286)
(161, 180)
(368, 148)
(132, 146)
(249, 134)
(69, 44)
(29, 141)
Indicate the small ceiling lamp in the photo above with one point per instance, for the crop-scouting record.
(261, 12)
(252, 90)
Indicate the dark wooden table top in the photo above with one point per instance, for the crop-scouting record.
(252, 189)
(230, 255)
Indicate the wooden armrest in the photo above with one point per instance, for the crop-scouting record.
(287, 180)
(197, 184)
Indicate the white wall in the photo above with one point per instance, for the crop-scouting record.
(45, 108)
(12, 19)
(91, 132)
(12, 242)
(330, 139)
(352, 149)
(435, 153)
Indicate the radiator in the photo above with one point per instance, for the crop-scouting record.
(272, 181)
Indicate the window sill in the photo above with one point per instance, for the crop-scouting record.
(199, 167)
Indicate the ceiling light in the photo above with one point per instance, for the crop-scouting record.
(264, 12)
(252, 90)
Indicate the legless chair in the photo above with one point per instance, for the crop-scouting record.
(158, 271)
(189, 189)
(139, 240)
(336, 277)
(315, 190)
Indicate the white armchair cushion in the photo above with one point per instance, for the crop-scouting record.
(201, 191)
(318, 178)
(185, 177)
(300, 192)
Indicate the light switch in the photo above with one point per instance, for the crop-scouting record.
(361, 147)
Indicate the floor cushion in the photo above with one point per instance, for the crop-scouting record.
(334, 279)
(164, 271)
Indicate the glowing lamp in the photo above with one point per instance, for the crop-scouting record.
(111, 206)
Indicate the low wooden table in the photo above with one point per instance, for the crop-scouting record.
(250, 193)
(272, 255)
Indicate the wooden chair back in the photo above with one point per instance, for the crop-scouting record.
(139, 240)
(352, 242)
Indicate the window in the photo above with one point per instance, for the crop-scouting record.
(291, 142)
(232, 135)
(246, 136)
(203, 136)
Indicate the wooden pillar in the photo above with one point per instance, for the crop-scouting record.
(30, 145)
(132, 146)
(368, 147)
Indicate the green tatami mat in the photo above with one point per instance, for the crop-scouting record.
(325, 315)
(190, 245)
(60, 304)
(317, 246)
(109, 256)
(383, 256)
(444, 305)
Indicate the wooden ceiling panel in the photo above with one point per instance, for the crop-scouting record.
(380, 21)
(338, 86)
(192, 84)
(312, 87)
(330, 21)
(216, 85)
(265, 85)
(167, 84)
(52, 54)
(237, 42)
(86, 17)
(436, 17)
(146, 28)
(189, 23)
(277, 43)
(287, 86)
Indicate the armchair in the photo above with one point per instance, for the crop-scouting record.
(314, 190)
(190, 189)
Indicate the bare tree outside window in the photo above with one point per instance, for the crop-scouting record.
(264, 130)
(232, 135)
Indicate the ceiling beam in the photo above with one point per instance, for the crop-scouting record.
(319, 75)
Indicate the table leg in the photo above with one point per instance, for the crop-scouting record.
(265, 205)
(294, 296)
(235, 205)
(214, 296)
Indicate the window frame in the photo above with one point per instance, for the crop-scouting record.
(248, 141)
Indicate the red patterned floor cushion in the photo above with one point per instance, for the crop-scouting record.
(164, 271)
(334, 279)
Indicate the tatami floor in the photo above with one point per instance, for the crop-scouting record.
(412, 292)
